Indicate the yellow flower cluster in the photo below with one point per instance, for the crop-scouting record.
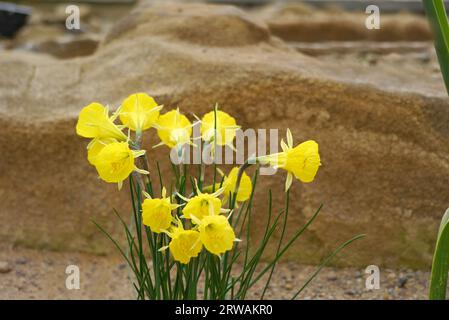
(109, 150)
(209, 227)
(113, 153)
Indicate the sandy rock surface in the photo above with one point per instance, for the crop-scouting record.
(383, 132)
(301, 22)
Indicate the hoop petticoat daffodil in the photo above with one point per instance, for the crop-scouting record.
(94, 122)
(230, 182)
(301, 161)
(202, 205)
(139, 112)
(157, 212)
(216, 234)
(184, 244)
(174, 129)
(115, 162)
(225, 126)
(95, 146)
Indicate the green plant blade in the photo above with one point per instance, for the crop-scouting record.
(326, 261)
(436, 15)
(440, 265)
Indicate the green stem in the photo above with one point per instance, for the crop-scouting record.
(284, 226)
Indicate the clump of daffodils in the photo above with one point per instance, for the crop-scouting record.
(186, 227)
(114, 155)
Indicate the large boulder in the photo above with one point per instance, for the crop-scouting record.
(383, 133)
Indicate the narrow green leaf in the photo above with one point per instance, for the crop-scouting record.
(288, 245)
(326, 261)
(279, 243)
(440, 265)
(436, 15)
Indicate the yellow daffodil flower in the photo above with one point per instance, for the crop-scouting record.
(301, 161)
(156, 212)
(94, 122)
(115, 162)
(95, 146)
(245, 187)
(226, 127)
(202, 205)
(174, 129)
(139, 112)
(216, 234)
(185, 244)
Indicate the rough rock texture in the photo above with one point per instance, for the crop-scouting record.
(46, 31)
(67, 49)
(299, 22)
(383, 133)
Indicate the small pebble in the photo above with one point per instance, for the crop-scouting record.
(402, 281)
(49, 263)
(350, 292)
(22, 261)
(332, 276)
(20, 274)
(5, 267)
(391, 275)
(122, 266)
(288, 286)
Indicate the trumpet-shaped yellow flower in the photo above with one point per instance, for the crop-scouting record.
(139, 112)
(226, 127)
(245, 187)
(301, 161)
(115, 162)
(173, 128)
(95, 146)
(202, 205)
(216, 234)
(156, 213)
(185, 244)
(94, 122)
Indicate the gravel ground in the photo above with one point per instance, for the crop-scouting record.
(35, 274)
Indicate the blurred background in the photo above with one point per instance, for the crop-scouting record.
(374, 100)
